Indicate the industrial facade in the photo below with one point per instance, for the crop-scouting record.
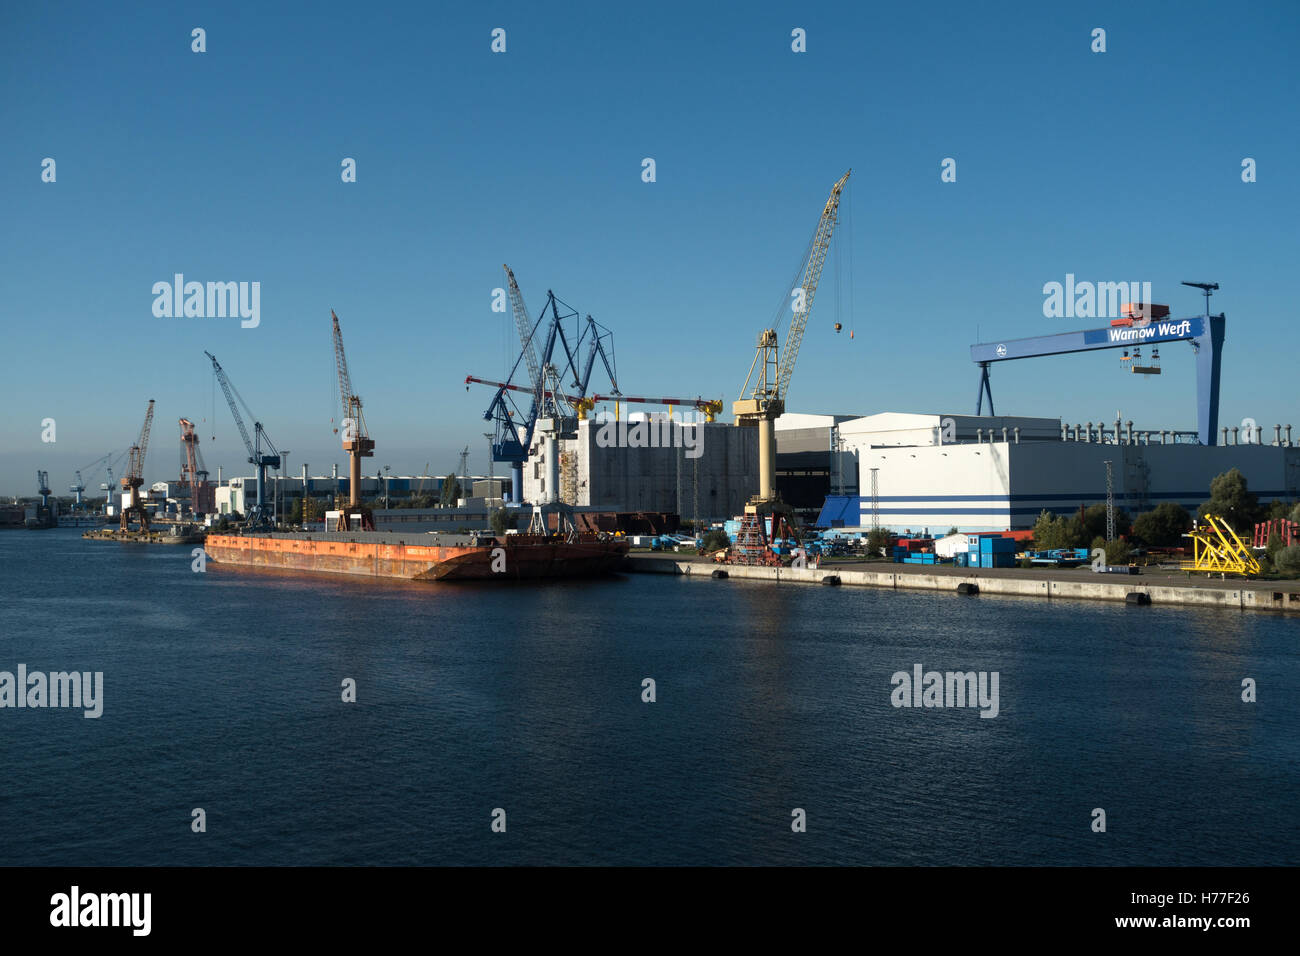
(613, 469)
(938, 471)
(811, 461)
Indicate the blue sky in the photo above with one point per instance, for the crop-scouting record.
(225, 165)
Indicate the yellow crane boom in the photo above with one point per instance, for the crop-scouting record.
(766, 396)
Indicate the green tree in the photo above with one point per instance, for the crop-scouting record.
(1094, 521)
(499, 522)
(716, 541)
(878, 540)
(450, 491)
(1274, 546)
(1277, 508)
(1288, 559)
(1049, 531)
(1118, 551)
(1295, 513)
(1232, 500)
(954, 530)
(1163, 526)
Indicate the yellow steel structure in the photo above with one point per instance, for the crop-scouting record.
(765, 401)
(1216, 548)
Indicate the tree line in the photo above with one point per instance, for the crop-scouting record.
(1165, 524)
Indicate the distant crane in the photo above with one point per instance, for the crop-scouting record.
(260, 516)
(134, 476)
(77, 488)
(194, 475)
(356, 437)
(765, 401)
(109, 484)
(462, 469)
(43, 487)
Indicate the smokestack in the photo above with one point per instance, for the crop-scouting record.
(1004, 434)
(1088, 433)
(1130, 432)
(1288, 436)
(1234, 434)
(1065, 431)
(979, 436)
(218, 476)
(1224, 429)
(1118, 423)
(1017, 431)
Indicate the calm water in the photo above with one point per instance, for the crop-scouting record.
(222, 691)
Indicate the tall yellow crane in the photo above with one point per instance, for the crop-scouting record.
(356, 437)
(759, 406)
(134, 476)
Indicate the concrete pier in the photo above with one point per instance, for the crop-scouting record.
(1161, 588)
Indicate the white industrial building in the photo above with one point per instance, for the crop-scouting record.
(648, 463)
(933, 472)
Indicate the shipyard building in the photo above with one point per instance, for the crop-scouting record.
(648, 463)
(932, 472)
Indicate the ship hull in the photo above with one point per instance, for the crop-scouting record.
(396, 555)
(558, 560)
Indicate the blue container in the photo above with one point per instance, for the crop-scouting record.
(997, 545)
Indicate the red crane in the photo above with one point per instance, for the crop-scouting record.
(194, 475)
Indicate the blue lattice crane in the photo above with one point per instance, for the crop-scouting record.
(554, 388)
(260, 517)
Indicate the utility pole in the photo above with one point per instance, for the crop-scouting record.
(1110, 501)
(875, 501)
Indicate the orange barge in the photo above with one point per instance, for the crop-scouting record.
(422, 557)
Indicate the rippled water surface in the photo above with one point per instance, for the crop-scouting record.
(222, 691)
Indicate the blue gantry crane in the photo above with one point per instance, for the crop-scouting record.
(1204, 332)
(259, 517)
(553, 388)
